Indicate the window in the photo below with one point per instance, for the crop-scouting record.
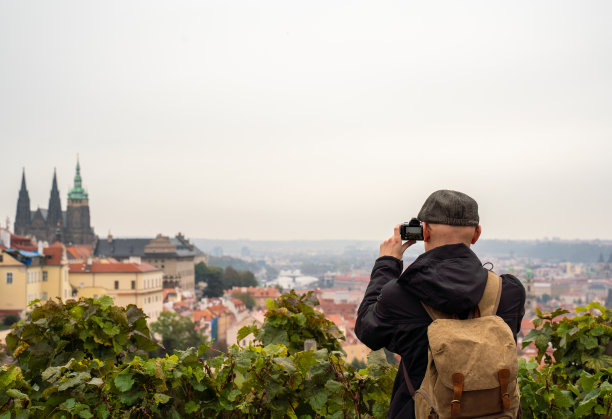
(44, 296)
(133, 285)
(116, 285)
(45, 276)
(9, 278)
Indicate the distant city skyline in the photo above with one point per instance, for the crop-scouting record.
(318, 120)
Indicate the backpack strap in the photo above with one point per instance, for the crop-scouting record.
(408, 380)
(488, 303)
(490, 298)
(436, 314)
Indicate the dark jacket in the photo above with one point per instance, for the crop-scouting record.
(449, 278)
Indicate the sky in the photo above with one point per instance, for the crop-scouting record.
(310, 119)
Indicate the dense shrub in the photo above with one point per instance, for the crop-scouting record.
(88, 358)
(570, 376)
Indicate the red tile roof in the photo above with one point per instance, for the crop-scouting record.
(218, 309)
(76, 268)
(81, 252)
(23, 243)
(53, 254)
(238, 303)
(198, 315)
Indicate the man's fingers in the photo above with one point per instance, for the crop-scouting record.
(396, 232)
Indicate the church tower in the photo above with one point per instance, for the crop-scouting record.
(54, 215)
(78, 229)
(530, 300)
(23, 216)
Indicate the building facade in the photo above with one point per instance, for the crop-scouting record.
(126, 283)
(72, 226)
(26, 276)
(176, 256)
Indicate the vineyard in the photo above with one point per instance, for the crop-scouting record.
(89, 358)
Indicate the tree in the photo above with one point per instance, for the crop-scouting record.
(212, 277)
(246, 298)
(177, 333)
(10, 319)
(217, 279)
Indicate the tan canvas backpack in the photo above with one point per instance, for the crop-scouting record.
(472, 364)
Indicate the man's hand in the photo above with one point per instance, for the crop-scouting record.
(393, 245)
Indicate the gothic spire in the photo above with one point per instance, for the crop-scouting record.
(54, 216)
(23, 182)
(22, 218)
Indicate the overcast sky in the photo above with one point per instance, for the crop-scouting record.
(310, 119)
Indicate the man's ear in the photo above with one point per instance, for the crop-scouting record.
(476, 234)
(426, 232)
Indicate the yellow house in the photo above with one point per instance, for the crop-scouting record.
(127, 283)
(29, 275)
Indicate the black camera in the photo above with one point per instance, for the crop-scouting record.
(412, 230)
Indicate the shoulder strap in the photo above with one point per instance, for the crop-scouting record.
(488, 303)
(490, 299)
(408, 381)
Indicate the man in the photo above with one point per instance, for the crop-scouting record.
(448, 277)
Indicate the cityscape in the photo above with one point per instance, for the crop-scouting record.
(55, 253)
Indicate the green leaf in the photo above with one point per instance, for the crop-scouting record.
(333, 386)
(85, 413)
(563, 398)
(111, 329)
(96, 382)
(75, 380)
(245, 331)
(275, 350)
(161, 398)
(317, 401)
(124, 382)
(597, 331)
(7, 378)
(16, 394)
(102, 411)
(105, 301)
(191, 407)
(589, 342)
(68, 404)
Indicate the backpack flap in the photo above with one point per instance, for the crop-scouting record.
(477, 348)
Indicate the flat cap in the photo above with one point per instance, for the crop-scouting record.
(451, 208)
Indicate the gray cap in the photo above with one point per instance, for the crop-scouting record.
(451, 208)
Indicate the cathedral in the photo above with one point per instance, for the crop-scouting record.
(52, 224)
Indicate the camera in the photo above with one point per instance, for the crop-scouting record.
(412, 230)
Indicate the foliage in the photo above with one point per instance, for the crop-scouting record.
(571, 374)
(92, 375)
(217, 279)
(176, 332)
(10, 319)
(246, 298)
(212, 277)
(291, 320)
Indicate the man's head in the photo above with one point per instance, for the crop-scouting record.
(449, 217)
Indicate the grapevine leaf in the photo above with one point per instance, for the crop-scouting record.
(124, 382)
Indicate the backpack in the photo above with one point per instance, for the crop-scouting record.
(471, 364)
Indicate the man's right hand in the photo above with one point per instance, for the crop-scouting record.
(393, 245)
